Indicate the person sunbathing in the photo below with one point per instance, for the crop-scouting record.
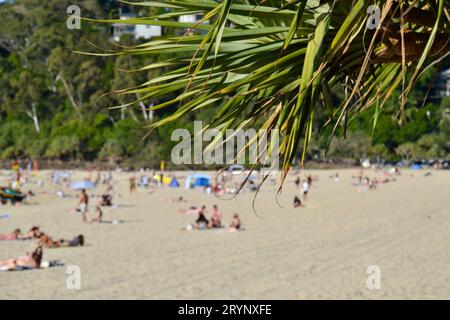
(30, 261)
(179, 200)
(15, 235)
(47, 242)
(191, 210)
(33, 233)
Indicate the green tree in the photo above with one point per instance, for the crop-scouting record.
(279, 59)
(407, 151)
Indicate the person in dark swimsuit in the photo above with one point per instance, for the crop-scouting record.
(201, 222)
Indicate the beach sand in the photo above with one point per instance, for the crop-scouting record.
(321, 251)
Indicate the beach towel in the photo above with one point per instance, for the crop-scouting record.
(113, 221)
(44, 265)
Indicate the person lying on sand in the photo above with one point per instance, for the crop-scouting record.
(47, 242)
(216, 217)
(191, 210)
(15, 235)
(179, 200)
(31, 260)
(33, 233)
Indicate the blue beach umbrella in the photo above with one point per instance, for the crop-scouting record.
(84, 184)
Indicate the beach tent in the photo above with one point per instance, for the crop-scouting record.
(165, 180)
(197, 180)
(84, 184)
(416, 167)
(174, 183)
(59, 176)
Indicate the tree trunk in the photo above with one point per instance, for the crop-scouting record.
(70, 95)
(33, 115)
(144, 110)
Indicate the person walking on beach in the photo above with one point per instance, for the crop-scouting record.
(306, 186)
(133, 184)
(83, 203)
(297, 182)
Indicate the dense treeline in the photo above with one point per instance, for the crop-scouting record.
(52, 102)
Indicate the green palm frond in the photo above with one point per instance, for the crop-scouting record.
(278, 60)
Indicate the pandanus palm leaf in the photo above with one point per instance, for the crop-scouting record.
(277, 60)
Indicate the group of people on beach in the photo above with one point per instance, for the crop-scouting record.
(43, 239)
(83, 203)
(33, 258)
(214, 221)
(304, 190)
(365, 183)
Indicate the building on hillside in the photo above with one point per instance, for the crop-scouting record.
(442, 86)
(190, 19)
(139, 31)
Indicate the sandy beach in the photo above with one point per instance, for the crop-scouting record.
(321, 251)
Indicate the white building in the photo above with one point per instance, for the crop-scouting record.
(191, 18)
(138, 31)
(445, 76)
(442, 86)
